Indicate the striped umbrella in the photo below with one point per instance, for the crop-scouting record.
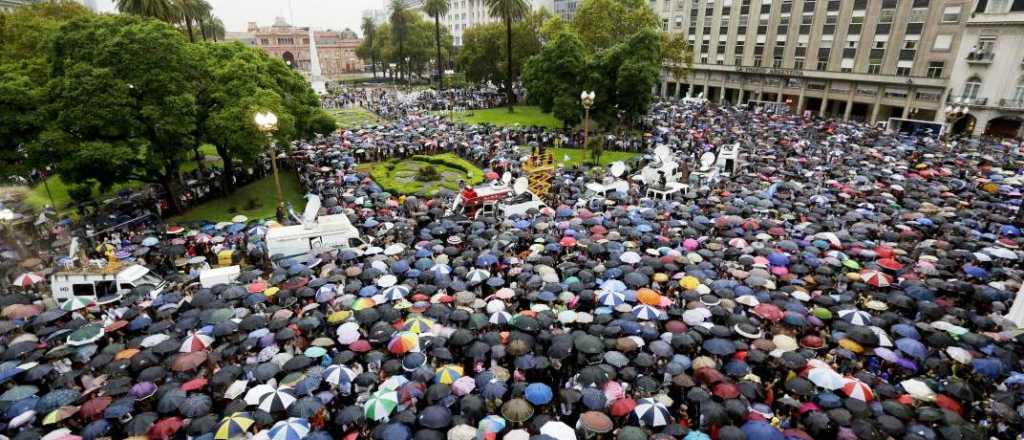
(86, 335)
(500, 317)
(855, 316)
(651, 413)
(876, 278)
(339, 374)
(233, 426)
(380, 404)
(292, 429)
(448, 374)
(404, 342)
(418, 324)
(270, 399)
(611, 298)
(477, 276)
(855, 389)
(396, 292)
(75, 303)
(27, 279)
(646, 312)
(196, 341)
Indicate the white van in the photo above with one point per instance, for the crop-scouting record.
(95, 283)
(325, 233)
(219, 275)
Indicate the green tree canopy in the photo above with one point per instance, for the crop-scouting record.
(601, 24)
(552, 76)
(483, 54)
(122, 101)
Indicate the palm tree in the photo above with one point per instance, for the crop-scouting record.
(192, 11)
(369, 34)
(399, 24)
(437, 8)
(212, 27)
(159, 9)
(509, 11)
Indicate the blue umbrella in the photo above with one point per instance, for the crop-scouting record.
(119, 409)
(97, 429)
(21, 406)
(494, 389)
(975, 272)
(1009, 230)
(563, 211)
(400, 266)
(736, 368)
(991, 368)
(761, 430)
(424, 263)
(696, 435)
(235, 228)
(522, 224)
(368, 291)
(912, 347)
(486, 260)
(394, 431)
(594, 398)
(720, 346)
(538, 393)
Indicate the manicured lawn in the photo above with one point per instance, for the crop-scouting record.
(579, 156)
(354, 117)
(255, 200)
(524, 115)
(37, 198)
(399, 176)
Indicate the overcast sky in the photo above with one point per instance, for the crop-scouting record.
(321, 14)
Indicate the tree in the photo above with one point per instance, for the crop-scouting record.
(509, 11)
(236, 82)
(367, 49)
(595, 147)
(552, 76)
(399, 30)
(121, 103)
(623, 75)
(213, 28)
(482, 56)
(190, 11)
(25, 36)
(601, 24)
(159, 9)
(437, 8)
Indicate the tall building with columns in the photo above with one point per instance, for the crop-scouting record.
(865, 60)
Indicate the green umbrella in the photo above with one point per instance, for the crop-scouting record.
(851, 264)
(17, 393)
(822, 313)
(75, 303)
(315, 352)
(380, 404)
(218, 315)
(85, 335)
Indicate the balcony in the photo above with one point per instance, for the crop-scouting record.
(1012, 103)
(980, 57)
(971, 101)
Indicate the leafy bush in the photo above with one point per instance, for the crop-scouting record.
(427, 174)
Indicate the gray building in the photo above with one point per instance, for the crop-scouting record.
(565, 8)
(7, 5)
(854, 59)
(986, 87)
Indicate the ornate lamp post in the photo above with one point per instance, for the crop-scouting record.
(267, 124)
(587, 98)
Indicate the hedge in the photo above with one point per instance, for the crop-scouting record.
(383, 173)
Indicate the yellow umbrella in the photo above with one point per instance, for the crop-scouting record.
(689, 282)
(338, 316)
(660, 277)
(271, 291)
(851, 345)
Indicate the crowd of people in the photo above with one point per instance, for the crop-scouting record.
(844, 282)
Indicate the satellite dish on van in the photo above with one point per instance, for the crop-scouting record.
(506, 177)
(520, 186)
(707, 160)
(617, 169)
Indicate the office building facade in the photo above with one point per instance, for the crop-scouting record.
(986, 87)
(466, 13)
(865, 60)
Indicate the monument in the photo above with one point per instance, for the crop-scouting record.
(316, 76)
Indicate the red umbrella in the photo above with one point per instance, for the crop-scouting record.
(188, 361)
(622, 407)
(93, 409)
(884, 252)
(116, 325)
(567, 242)
(889, 263)
(726, 390)
(709, 375)
(165, 429)
(768, 311)
(876, 278)
(946, 402)
(194, 384)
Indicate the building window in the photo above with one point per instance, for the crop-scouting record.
(998, 6)
(971, 88)
(951, 14)
(875, 67)
(822, 64)
(777, 62)
(265, 41)
(284, 41)
(986, 44)
(935, 69)
(798, 63)
(757, 61)
(738, 60)
(1018, 93)
(910, 44)
(880, 45)
(902, 71)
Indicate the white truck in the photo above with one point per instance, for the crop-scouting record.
(496, 199)
(219, 275)
(98, 284)
(316, 233)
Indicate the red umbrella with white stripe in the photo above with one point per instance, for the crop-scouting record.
(196, 342)
(856, 389)
(876, 278)
(27, 279)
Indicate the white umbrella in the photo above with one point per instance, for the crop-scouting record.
(558, 430)
(348, 333)
(387, 280)
(462, 432)
(153, 340)
(394, 249)
(477, 276)
(629, 257)
(918, 390)
(236, 389)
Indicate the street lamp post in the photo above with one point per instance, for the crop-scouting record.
(587, 98)
(267, 124)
